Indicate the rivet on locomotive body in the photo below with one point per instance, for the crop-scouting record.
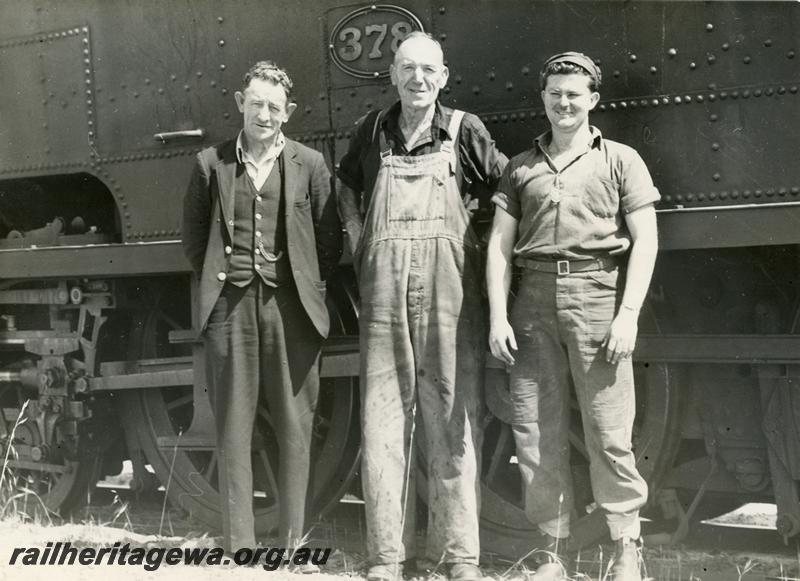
(781, 90)
(795, 190)
(757, 93)
(672, 52)
(679, 198)
(213, 84)
(701, 197)
(476, 89)
(790, 54)
(692, 65)
(222, 67)
(616, 74)
(726, 46)
(768, 42)
(768, 92)
(443, 36)
(677, 100)
(632, 58)
(757, 193)
(602, 107)
(613, 106)
(783, 191)
(712, 195)
(711, 59)
(665, 101)
(690, 197)
(509, 86)
(491, 75)
(793, 89)
(723, 195)
(735, 194)
(723, 95)
(716, 177)
(712, 97)
(715, 146)
(526, 71)
(668, 198)
(442, 10)
(221, 43)
(709, 27)
(224, 91)
(770, 192)
(746, 94)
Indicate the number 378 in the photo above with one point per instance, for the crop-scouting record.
(351, 37)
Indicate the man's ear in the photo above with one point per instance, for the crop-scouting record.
(595, 99)
(443, 77)
(290, 108)
(239, 96)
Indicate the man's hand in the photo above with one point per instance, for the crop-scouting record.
(502, 341)
(621, 337)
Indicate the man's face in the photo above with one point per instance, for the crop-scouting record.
(265, 109)
(418, 72)
(568, 100)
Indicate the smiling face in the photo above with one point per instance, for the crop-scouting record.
(265, 108)
(568, 100)
(418, 72)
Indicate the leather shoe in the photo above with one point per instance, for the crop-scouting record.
(626, 561)
(385, 573)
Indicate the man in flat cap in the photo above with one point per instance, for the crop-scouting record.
(576, 214)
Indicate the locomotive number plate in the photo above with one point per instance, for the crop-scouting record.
(364, 41)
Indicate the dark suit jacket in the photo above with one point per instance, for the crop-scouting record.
(313, 230)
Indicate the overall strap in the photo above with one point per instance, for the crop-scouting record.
(450, 146)
(384, 149)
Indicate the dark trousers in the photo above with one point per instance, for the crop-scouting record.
(263, 355)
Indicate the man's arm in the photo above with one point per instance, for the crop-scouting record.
(328, 228)
(621, 338)
(196, 216)
(498, 281)
(350, 213)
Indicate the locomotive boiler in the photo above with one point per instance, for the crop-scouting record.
(104, 104)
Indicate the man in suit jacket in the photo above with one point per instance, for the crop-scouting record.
(262, 234)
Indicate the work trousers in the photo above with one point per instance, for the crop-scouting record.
(263, 352)
(422, 350)
(560, 322)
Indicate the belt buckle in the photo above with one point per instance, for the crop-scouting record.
(562, 267)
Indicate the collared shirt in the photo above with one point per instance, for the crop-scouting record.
(479, 160)
(259, 170)
(578, 212)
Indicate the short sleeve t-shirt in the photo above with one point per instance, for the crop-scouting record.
(578, 212)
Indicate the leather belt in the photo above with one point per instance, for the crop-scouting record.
(563, 267)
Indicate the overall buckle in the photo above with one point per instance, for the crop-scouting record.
(562, 267)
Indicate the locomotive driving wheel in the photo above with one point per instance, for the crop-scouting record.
(46, 472)
(190, 474)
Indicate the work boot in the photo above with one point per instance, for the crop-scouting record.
(625, 566)
(464, 572)
(550, 557)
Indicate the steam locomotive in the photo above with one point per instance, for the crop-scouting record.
(104, 104)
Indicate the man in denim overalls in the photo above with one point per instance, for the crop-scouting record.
(404, 201)
(576, 212)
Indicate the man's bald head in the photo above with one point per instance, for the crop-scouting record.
(423, 42)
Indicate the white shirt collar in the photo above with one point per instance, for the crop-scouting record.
(243, 156)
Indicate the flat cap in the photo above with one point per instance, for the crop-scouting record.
(578, 59)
